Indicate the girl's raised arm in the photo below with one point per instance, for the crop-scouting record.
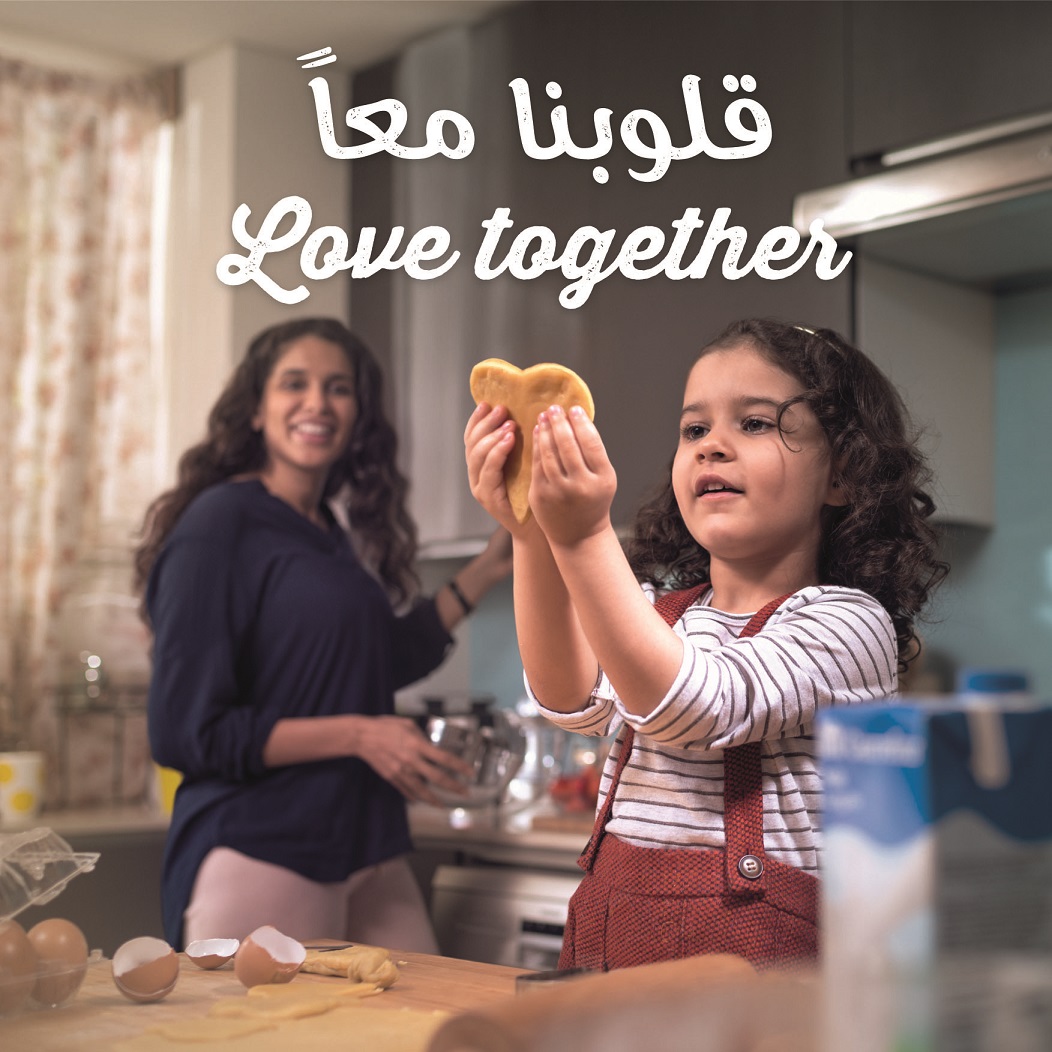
(559, 663)
(571, 493)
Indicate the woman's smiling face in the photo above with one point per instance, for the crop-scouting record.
(750, 494)
(308, 408)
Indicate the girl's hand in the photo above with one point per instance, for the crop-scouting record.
(488, 441)
(395, 747)
(573, 482)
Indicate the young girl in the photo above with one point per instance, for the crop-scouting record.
(778, 572)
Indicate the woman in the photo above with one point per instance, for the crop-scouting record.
(279, 640)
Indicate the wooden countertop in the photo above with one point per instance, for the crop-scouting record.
(100, 1016)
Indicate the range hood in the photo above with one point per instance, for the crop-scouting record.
(973, 208)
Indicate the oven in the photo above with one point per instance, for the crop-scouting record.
(501, 914)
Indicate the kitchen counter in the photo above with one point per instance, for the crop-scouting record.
(104, 821)
(100, 1016)
(120, 899)
(536, 836)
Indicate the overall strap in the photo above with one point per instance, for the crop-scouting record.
(743, 798)
(746, 807)
(671, 606)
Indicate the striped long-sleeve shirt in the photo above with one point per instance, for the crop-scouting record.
(825, 645)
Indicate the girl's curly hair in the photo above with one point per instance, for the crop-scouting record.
(881, 542)
(365, 480)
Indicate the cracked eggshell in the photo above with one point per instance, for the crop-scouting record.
(212, 953)
(145, 969)
(268, 956)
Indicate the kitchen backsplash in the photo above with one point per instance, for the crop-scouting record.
(995, 608)
(485, 660)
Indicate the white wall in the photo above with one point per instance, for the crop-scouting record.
(48, 53)
(247, 133)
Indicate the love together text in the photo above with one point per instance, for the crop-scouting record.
(588, 255)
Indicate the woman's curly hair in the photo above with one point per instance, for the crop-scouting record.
(365, 480)
(881, 541)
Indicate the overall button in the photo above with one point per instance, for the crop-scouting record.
(750, 867)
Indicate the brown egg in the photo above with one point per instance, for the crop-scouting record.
(267, 956)
(211, 953)
(62, 959)
(145, 969)
(18, 963)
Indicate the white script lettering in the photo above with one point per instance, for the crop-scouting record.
(429, 243)
(657, 145)
(360, 118)
(584, 258)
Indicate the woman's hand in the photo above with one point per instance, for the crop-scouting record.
(395, 747)
(494, 562)
(489, 439)
(573, 483)
(473, 581)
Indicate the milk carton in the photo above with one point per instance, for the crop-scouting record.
(937, 877)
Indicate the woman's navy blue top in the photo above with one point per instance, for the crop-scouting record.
(258, 614)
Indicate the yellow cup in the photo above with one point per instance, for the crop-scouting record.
(21, 788)
(167, 783)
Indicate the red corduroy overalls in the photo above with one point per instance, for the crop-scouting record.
(639, 905)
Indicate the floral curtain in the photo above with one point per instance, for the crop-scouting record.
(81, 167)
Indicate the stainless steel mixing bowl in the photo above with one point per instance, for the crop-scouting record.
(494, 748)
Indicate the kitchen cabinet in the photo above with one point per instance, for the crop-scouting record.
(935, 340)
(502, 916)
(498, 887)
(633, 341)
(924, 70)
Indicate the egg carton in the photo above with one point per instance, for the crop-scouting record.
(35, 866)
(51, 985)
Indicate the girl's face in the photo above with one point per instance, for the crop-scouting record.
(307, 410)
(749, 494)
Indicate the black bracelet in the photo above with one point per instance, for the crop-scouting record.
(460, 596)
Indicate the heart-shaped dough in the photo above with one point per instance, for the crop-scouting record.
(526, 393)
